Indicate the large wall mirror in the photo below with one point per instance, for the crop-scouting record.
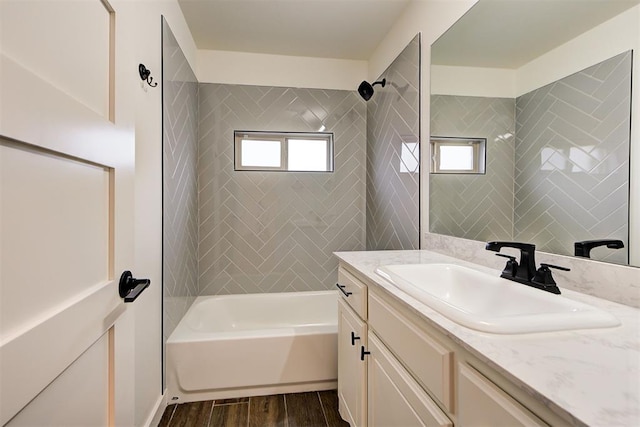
(548, 86)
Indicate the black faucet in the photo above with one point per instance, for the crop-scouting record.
(526, 272)
(583, 248)
(527, 268)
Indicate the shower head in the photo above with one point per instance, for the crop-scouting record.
(366, 89)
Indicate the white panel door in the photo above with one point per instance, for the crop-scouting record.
(66, 217)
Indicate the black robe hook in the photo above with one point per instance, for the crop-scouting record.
(145, 74)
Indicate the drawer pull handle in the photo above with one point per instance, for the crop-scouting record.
(354, 338)
(341, 287)
(363, 352)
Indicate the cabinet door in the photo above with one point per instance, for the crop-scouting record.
(428, 361)
(395, 398)
(482, 403)
(352, 371)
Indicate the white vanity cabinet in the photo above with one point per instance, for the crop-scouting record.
(374, 389)
(412, 374)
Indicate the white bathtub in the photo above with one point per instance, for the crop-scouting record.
(248, 345)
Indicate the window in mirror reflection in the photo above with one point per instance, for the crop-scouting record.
(458, 155)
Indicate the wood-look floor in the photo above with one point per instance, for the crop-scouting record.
(313, 409)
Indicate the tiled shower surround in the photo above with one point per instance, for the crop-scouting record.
(563, 178)
(229, 232)
(180, 195)
(276, 231)
(393, 155)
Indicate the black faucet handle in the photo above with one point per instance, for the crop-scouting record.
(543, 278)
(511, 268)
(556, 267)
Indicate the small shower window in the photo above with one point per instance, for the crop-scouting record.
(458, 155)
(283, 151)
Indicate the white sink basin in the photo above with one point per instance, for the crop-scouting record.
(492, 304)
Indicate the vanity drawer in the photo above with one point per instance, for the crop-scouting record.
(353, 292)
(481, 402)
(428, 360)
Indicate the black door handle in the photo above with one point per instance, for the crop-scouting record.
(130, 287)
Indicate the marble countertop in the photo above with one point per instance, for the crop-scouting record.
(588, 377)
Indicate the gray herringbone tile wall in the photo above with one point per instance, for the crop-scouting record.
(180, 196)
(276, 231)
(572, 160)
(393, 192)
(477, 207)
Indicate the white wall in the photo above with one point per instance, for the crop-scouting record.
(608, 39)
(473, 81)
(215, 66)
(139, 23)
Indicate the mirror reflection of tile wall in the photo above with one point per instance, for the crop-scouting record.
(572, 160)
(477, 207)
(562, 178)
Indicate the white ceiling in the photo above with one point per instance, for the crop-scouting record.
(511, 33)
(344, 29)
